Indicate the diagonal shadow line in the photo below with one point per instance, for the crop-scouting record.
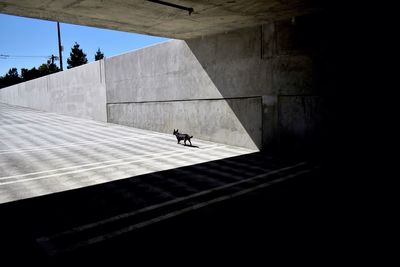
(246, 106)
(43, 240)
(25, 221)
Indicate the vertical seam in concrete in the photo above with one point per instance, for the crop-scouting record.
(262, 122)
(275, 40)
(107, 113)
(262, 41)
(105, 88)
(101, 80)
(48, 91)
(273, 57)
(278, 126)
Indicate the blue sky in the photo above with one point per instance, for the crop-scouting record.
(32, 40)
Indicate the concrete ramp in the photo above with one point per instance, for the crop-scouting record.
(43, 153)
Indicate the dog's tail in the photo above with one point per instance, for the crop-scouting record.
(191, 136)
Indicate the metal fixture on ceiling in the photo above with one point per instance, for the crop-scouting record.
(189, 9)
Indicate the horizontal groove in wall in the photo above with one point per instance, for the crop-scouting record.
(181, 100)
(297, 95)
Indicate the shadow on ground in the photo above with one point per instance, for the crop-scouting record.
(246, 206)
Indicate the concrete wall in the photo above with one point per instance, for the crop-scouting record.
(174, 85)
(78, 92)
(213, 120)
(277, 63)
(300, 52)
(168, 71)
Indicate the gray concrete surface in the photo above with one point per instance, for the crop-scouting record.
(274, 62)
(150, 88)
(43, 153)
(228, 121)
(78, 92)
(209, 17)
(218, 66)
(166, 71)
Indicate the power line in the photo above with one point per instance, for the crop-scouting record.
(4, 56)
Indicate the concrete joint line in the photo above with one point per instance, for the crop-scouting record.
(43, 240)
(102, 167)
(79, 144)
(89, 164)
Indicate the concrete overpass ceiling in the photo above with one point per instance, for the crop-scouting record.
(146, 17)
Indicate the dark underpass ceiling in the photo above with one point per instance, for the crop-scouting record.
(161, 19)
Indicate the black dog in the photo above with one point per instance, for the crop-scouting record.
(180, 137)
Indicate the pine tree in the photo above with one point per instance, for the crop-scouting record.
(76, 57)
(10, 78)
(99, 55)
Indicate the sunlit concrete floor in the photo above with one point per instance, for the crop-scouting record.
(43, 153)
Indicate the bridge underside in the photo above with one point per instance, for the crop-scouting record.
(148, 17)
(275, 58)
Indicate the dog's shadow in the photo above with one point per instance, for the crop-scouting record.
(190, 145)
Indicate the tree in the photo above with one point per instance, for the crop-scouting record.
(76, 57)
(13, 74)
(49, 68)
(29, 74)
(44, 69)
(10, 78)
(99, 55)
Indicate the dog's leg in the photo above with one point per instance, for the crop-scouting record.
(190, 142)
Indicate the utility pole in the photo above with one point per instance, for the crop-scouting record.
(60, 48)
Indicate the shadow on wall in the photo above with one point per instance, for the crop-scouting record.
(232, 63)
(178, 93)
(206, 207)
(267, 87)
(289, 66)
